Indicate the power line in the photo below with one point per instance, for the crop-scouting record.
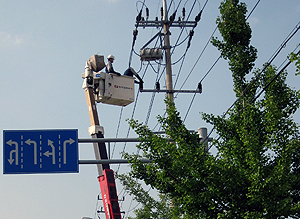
(192, 101)
(151, 102)
(133, 112)
(200, 55)
(273, 79)
(117, 132)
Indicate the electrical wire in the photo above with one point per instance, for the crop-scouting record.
(191, 103)
(177, 77)
(184, 40)
(275, 54)
(143, 4)
(151, 102)
(117, 132)
(135, 34)
(187, 47)
(132, 115)
(135, 207)
(197, 60)
(276, 76)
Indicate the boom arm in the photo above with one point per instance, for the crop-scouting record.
(106, 175)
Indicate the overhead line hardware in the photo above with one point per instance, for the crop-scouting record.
(172, 91)
(198, 90)
(161, 23)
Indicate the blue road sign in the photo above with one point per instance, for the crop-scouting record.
(40, 151)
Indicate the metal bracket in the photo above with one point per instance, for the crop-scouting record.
(96, 129)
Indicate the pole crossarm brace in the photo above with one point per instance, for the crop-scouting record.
(156, 35)
(171, 91)
(110, 161)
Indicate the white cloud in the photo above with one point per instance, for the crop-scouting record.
(7, 39)
(253, 21)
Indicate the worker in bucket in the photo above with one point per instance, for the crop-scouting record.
(109, 67)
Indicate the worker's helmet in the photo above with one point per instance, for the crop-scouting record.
(110, 56)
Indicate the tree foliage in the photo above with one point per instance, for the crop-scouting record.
(176, 164)
(151, 208)
(295, 57)
(255, 173)
(235, 45)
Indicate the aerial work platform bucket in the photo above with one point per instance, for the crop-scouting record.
(109, 88)
(113, 89)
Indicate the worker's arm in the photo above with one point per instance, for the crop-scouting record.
(109, 68)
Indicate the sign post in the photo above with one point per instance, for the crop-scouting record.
(40, 151)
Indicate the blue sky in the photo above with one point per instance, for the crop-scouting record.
(43, 49)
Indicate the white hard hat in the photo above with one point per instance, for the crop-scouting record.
(110, 56)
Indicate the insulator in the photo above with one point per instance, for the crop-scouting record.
(190, 38)
(138, 18)
(191, 33)
(200, 87)
(147, 13)
(197, 18)
(141, 85)
(135, 32)
(172, 18)
(183, 13)
(157, 85)
(143, 22)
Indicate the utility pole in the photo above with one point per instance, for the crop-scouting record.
(153, 54)
(167, 47)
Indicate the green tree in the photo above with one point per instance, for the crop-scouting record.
(295, 57)
(176, 165)
(255, 173)
(148, 206)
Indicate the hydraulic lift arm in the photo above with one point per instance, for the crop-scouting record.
(106, 175)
